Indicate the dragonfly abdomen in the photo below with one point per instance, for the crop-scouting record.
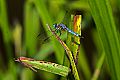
(70, 31)
(74, 33)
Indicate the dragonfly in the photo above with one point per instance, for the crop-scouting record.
(58, 28)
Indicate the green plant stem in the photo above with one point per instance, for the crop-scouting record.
(69, 54)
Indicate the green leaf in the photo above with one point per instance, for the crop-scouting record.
(77, 29)
(46, 66)
(31, 23)
(98, 67)
(4, 25)
(102, 14)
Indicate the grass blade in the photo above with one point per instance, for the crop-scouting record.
(77, 29)
(46, 66)
(102, 14)
(4, 25)
(31, 23)
(98, 67)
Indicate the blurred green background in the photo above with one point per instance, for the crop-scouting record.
(22, 20)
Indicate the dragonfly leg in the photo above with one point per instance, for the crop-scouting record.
(81, 36)
(58, 31)
(74, 41)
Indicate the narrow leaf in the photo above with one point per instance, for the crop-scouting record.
(77, 29)
(43, 65)
(102, 14)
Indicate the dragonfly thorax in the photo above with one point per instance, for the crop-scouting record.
(59, 26)
(55, 26)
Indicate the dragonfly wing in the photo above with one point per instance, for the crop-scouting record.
(43, 38)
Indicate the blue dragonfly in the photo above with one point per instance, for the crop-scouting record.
(62, 27)
(59, 27)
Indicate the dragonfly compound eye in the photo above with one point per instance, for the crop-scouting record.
(55, 25)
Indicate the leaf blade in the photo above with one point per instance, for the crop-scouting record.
(46, 66)
(103, 17)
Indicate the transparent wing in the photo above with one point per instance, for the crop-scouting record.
(42, 37)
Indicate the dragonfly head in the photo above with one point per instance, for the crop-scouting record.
(55, 25)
